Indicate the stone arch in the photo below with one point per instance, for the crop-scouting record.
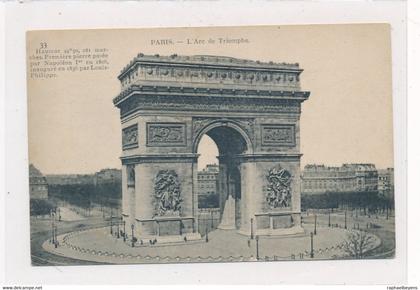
(223, 123)
(232, 140)
(255, 127)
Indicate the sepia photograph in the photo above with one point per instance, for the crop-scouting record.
(210, 144)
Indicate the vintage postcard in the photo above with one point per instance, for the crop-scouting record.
(212, 144)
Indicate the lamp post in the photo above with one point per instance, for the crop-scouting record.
(252, 228)
(207, 235)
(345, 219)
(257, 246)
(329, 218)
(110, 223)
(55, 233)
(132, 235)
(118, 229)
(124, 229)
(315, 226)
(211, 213)
(52, 226)
(312, 245)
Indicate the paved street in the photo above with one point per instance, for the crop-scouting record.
(40, 232)
(98, 245)
(221, 243)
(378, 225)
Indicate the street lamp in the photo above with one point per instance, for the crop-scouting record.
(132, 235)
(329, 218)
(312, 245)
(55, 233)
(256, 244)
(111, 223)
(252, 228)
(124, 229)
(52, 226)
(118, 229)
(315, 226)
(345, 219)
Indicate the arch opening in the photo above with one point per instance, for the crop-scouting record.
(230, 143)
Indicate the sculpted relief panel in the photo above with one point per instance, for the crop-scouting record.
(167, 193)
(278, 135)
(130, 137)
(166, 134)
(278, 194)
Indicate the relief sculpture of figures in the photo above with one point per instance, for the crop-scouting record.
(278, 135)
(161, 134)
(130, 137)
(166, 134)
(167, 193)
(278, 190)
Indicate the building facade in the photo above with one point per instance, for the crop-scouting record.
(318, 179)
(386, 182)
(207, 181)
(38, 186)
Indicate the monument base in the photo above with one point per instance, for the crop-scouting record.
(228, 215)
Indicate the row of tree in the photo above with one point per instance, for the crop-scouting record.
(86, 195)
(41, 207)
(363, 199)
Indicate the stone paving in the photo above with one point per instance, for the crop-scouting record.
(223, 246)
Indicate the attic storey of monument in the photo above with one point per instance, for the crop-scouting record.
(249, 108)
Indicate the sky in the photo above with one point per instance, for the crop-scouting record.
(73, 126)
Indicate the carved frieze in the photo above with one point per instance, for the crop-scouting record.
(278, 190)
(167, 194)
(166, 134)
(209, 104)
(130, 137)
(278, 135)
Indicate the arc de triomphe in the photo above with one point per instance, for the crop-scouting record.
(250, 109)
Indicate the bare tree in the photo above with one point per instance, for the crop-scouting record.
(357, 243)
